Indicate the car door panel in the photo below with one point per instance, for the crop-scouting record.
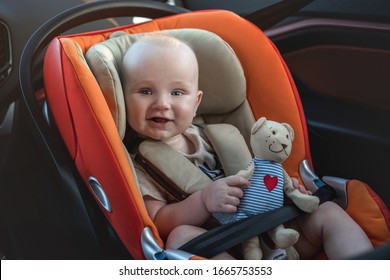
(340, 68)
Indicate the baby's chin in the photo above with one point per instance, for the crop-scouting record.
(157, 137)
(160, 135)
(171, 140)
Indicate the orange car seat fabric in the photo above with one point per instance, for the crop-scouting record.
(54, 81)
(97, 147)
(90, 133)
(369, 211)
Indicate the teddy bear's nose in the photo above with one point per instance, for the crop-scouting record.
(284, 146)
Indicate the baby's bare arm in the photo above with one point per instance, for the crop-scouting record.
(223, 195)
(166, 217)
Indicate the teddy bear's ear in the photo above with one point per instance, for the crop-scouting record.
(290, 130)
(259, 123)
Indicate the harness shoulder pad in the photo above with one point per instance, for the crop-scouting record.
(174, 165)
(230, 146)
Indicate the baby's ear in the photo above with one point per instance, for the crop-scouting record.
(259, 123)
(199, 96)
(290, 130)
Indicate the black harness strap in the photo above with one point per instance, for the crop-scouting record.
(224, 237)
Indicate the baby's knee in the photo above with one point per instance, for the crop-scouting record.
(175, 235)
(330, 210)
(181, 235)
(330, 206)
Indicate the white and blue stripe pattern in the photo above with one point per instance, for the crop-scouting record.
(265, 192)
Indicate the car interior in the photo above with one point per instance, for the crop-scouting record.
(337, 56)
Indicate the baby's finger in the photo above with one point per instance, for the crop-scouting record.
(235, 192)
(229, 209)
(298, 186)
(295, 182)
(233, 200)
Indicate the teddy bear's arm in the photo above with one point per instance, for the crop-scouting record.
(247, 173)
(305, 202)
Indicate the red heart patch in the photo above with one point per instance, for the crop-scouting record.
(270, 182)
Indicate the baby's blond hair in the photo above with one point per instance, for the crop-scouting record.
(162, 39)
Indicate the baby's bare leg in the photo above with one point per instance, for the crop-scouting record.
(182, 234)
(332, 229)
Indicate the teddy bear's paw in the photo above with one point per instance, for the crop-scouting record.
(253, 255)
(285, 238)
(245, 173)
(308, 203)
(251, 249)
(292, 254)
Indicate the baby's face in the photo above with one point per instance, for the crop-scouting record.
(161, 90)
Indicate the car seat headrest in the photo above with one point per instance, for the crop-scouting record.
(221, 77)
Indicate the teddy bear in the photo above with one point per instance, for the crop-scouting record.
(271, 144)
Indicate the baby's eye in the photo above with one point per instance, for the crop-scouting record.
(145, 91)
(177, 93)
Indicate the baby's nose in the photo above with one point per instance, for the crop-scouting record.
(162, 102)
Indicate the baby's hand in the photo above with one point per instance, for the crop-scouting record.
(223, 195)
(299, 187)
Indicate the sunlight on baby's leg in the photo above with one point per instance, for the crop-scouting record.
(331, 227)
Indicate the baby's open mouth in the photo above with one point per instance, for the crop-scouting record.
(160, 120)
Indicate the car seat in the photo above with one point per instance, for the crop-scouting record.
(86, 102)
